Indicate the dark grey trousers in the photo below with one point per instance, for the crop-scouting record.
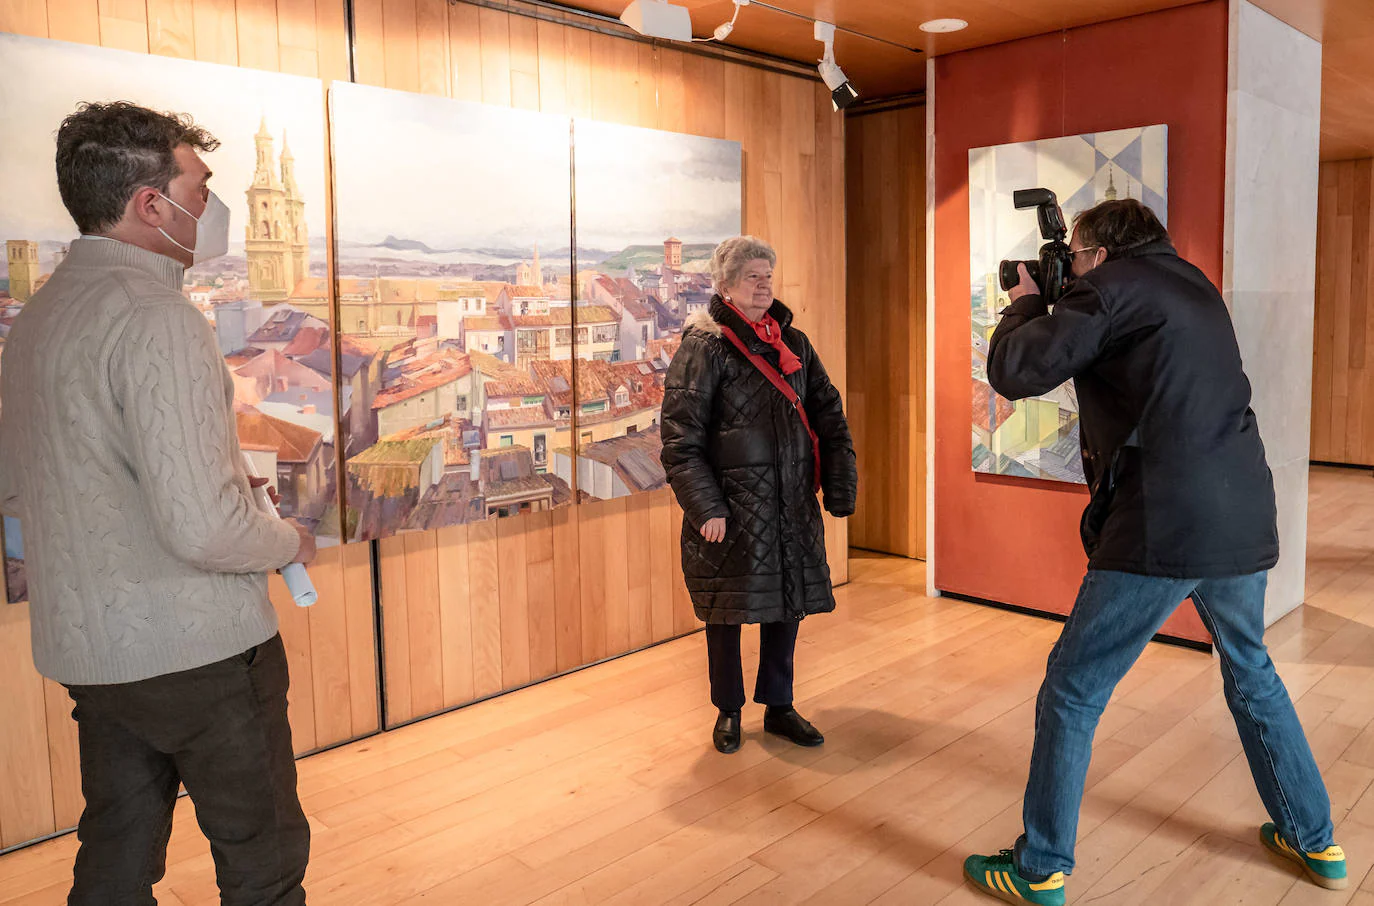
(221, 730)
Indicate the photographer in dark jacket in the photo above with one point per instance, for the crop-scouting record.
(752, 427)
(1182, 506)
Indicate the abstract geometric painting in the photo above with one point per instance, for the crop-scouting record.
(1038, 438)
(273, 331)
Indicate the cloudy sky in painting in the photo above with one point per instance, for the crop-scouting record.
(451, 174)
(45, 80)
(454, 174)
(640, 186)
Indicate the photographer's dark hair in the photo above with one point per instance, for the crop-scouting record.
(1119, 226)
(107, 152)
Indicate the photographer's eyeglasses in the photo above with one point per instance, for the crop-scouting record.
(1090, 248)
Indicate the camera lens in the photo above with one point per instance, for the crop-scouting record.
(1008, 274)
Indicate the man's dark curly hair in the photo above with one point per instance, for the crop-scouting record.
(107, 152)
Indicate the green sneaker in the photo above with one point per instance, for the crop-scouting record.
(998, 876)
(1326, 868)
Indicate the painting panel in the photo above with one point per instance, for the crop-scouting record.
(267, 299)
(651, 207)
(455, 308)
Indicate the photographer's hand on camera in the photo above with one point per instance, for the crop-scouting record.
(1035, 349)
(1026, 287)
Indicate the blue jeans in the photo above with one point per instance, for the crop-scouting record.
(1115, 616)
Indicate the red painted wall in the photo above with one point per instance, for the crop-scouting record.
(1011, 540)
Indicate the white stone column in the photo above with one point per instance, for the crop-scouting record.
(1269, 274)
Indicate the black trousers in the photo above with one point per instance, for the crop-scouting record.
(221, 730)
(777, 644)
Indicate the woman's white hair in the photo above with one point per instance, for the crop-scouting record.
(733, 255)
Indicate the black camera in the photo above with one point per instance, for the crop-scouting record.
(1052, 273)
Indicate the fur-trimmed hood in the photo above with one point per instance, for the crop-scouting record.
(702, 321)
(709, 320)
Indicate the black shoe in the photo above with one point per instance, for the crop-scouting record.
(790, 725)
(727, 733)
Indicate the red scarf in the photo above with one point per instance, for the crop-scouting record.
(769, 331)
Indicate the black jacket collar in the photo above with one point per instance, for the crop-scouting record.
(1162, 247)
(725, 315)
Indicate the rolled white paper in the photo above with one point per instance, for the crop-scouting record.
(297, 579)
(299, 584)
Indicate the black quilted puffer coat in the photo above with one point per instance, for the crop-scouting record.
(734, 447)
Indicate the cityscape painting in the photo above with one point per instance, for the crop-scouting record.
(651, 207)
(267, 299)
(1039, 438)
(465, 334)
(473, 330)
(455, 309)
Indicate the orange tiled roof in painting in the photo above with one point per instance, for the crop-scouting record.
(519, 417)
(424, 375)
(293, 443)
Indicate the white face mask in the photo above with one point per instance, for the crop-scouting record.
(212, 230)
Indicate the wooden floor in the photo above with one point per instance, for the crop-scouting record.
(602, 787)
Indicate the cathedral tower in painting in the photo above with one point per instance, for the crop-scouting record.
(527, 274)
(277, 241)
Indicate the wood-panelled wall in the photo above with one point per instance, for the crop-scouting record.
(885, 164)
(1343, 361)
(475, 610)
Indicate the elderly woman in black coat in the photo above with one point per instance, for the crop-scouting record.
(752, 429)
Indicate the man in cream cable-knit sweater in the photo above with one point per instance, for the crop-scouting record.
(147, 558)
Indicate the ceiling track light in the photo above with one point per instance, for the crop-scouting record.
(669, 21)
(659, 19)
(842, 93)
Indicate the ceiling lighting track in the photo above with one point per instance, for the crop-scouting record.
(850, 31)
(551, 11)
